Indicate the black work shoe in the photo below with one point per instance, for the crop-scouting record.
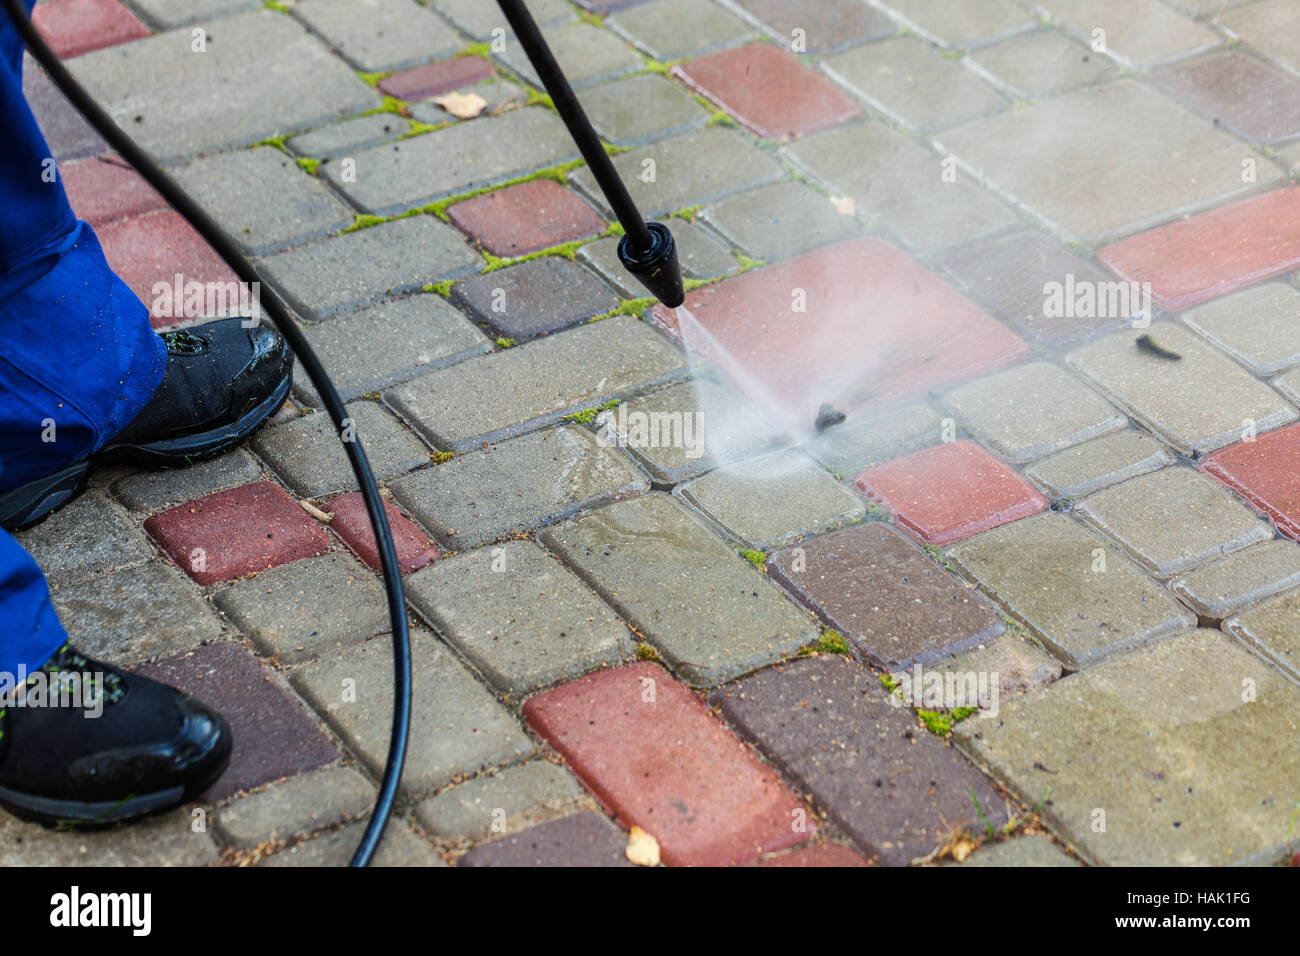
(84, 744)
(221, 382)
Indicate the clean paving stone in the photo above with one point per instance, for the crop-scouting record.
(302, 804)
(651, 751)
(586, 53)
(869, 438)
(136, 614)
(1173, 520)
(159, 89)
(480, 19)
(1193, 260)
(914, 85)
(1272, 27)
(525, 218)
(400, 847)
(435, 78)
(1086, 138)
(74, 27)
(518, 484)
(1043, 63)
(349, 136)
(1137, 33)
(1170, 397)
(308, 455)
(1266, 472)
(901, 186)
(514, 390)
(699, 255)
(774, 500)
(301, 610)
(150, 491)
(275, 735)
(387, 343)
(581, 840)
(1032, 410)
(165, 840)
(1020, 666)
(672, 29)
(779, 221)
(792, 100)
(413, 546)
(261, 199)
(1047, 571)
(103, 189)
(1253, 99)
(824, 27)
(1187, 772)
(231, 533)
(386, 180)
(1099, 463)
(534, 298)
(949, 492)
(1014, 275)
(687, 170)
(898, 606)
(89, 536)
(640, 108)
(176, 13)
(1234, 583)
(358, 268)
(508, 801)
(1027, 850)
(520, 616)
(457, 726)
(962, 22)
(1273, 630)
(391, 35)
(827, 723)
(1259, 327)
(705, 608)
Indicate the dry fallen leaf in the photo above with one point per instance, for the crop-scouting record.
(462, 105)
(961, 848)
(642, 848)
(844, 205)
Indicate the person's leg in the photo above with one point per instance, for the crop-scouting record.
(31, 628)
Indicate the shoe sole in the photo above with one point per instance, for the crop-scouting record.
(33, 502)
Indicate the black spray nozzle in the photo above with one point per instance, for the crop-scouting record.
(654, 264)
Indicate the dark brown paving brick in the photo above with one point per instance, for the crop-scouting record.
(525, 218)
(584, 839)
(1251, 98)
(435, 78)
(535, 297)
(897, 790)
(883, 593)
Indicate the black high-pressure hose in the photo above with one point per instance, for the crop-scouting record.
(271, 301)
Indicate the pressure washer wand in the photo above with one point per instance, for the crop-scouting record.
(647, 249)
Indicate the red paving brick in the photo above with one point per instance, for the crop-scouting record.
(825, 854)
(1209, 255)
(105, 189)
(950, 492)
(352, 523)
(877, 325)
(74, 27)
(437, 78)
(669, 766)
(156, 248)
(521, 219)
(239, 531)
(1266, 472)
(768, 90)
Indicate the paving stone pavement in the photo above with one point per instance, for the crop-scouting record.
(1051, 278)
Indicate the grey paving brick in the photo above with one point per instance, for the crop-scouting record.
(457, 726)
(698, 253)
(358, 268)
(1043, 63)
(388, 343)
(533, 298)
(640, 108)
(511, 391)
(390, 35)
(1020, 665)
(306, 608)
(1137, 32)
(913, 84)
(349, 136)
(1259, 327)
(1032, 410)
(167, 840)
(1237, 581)
(176, 13)
(150, 491)
(400, 847)
(709, 612)
(1027, 850)
(301, 804)
(586, 53)
(1186, 771)
(900, 185)
(685, 171)
(480, 19)
(262, 199)
(1046, 571)
(307, 453)
(1289, 385)
(962, 22)
(89, 536)
(1274, 630)
(67, 133)
(1085, 138)
(136, 614)
(673, 29)
(1197, 404)
(774, 500)
(499, 95)
(583, 839)
(500, 803)
(517, 484)
(826, 26)
(1272, 27)
(779, 221)
(448, 162)
(1099, 463)
(869, 439)
(162, 91)
(519, 615)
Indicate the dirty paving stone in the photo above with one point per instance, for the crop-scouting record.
(430, 80)
(1253, 99)
(506, 802)
(1021, 666)
(1234, 583)
(301, 804)
(349, 136)
(581, 840)
(828, 25)
(872, 437)
(534, 298)
(1026, 850)
(963, 22)
(584, 52)
(392, 33)
(167, 840)
(150, 491)
(88, 536)
(672, 29)
(823, 854)
(640, 108)
(1099, 463)
(400, 847)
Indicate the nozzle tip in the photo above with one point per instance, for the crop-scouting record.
(655, 265)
